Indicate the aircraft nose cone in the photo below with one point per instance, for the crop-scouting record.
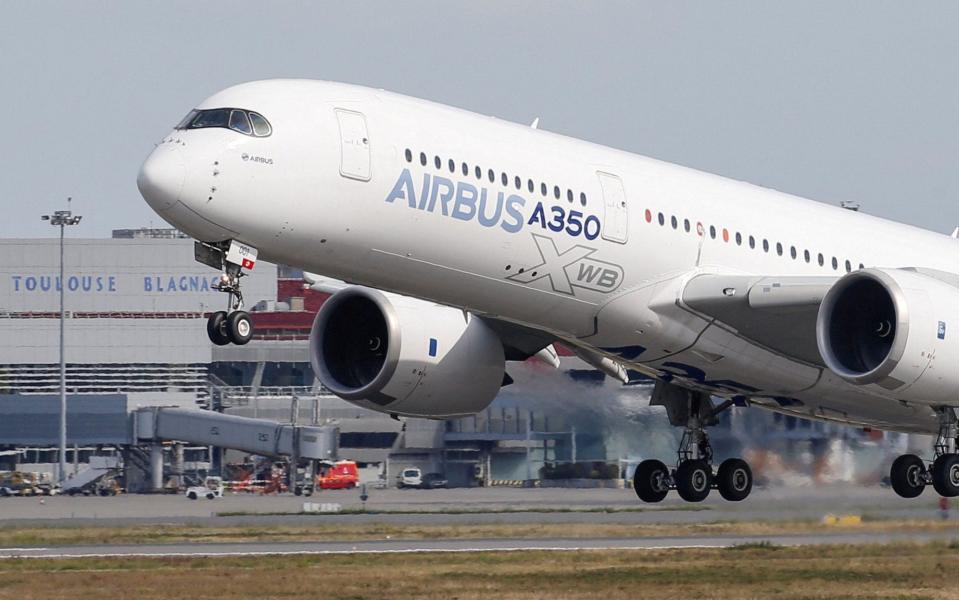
(161, 177)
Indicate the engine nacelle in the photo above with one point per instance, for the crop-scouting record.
(404, 356)
(890, 329)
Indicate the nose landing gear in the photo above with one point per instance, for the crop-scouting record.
(234, 324)
(693, 478)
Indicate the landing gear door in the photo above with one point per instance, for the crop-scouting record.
(354, 145)
(616, 227)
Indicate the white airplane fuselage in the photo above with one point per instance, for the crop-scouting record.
(339, 188)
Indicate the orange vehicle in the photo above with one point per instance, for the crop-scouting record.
(340, 475)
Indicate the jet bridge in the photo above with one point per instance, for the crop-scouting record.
(256, 436)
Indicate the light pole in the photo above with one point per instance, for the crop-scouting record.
(62, 218)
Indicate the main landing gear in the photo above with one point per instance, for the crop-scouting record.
(234, 324)
(910, 475)
(693, 478)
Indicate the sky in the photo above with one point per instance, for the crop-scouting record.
(828, 100)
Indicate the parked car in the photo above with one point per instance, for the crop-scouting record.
(409, 478)
(433, 481)
(413, 477)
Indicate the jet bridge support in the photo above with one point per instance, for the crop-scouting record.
(154, 425)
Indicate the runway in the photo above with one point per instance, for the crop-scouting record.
(462, 545)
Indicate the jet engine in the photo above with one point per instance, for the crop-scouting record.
(404, 356)
(890, 329)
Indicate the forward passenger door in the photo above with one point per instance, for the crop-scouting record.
(354, 145)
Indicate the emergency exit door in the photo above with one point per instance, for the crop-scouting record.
(616, 222)
(354, 145)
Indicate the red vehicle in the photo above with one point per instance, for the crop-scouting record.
(340, 475)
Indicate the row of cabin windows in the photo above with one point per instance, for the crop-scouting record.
(503, 177)
(738, 237)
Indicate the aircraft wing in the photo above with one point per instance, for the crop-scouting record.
(520, 343)
(776, 312)
(319, 283)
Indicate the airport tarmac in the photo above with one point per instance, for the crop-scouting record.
(471, 505)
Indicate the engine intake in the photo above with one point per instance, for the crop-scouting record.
(860, 320)
(353, 338)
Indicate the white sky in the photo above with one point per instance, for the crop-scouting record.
(828, 100)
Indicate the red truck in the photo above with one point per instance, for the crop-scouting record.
(338, 476)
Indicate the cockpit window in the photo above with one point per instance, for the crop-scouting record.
(237, 119)
(261, 126)
(219, 117)
(186, 120)
(240, 122)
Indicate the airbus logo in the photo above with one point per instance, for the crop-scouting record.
(570, 269)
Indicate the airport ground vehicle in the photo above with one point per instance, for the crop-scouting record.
(21, 483)
(211, 489)
(340, 475)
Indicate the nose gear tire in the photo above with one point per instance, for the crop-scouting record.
(216, 328)
(694, 479)
(734, 479)
(239, 327)
(651, 481)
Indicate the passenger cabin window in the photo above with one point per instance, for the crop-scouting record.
(237, 119)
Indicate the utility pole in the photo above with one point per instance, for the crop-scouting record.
(61, 219)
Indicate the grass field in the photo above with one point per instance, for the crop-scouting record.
(332, 531)
(754, 571)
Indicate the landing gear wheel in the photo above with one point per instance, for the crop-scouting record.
(734, 479)
(908, 476)
(651, 481)
(694, 478)
(239, 327)
(216, 328)
(945, 475)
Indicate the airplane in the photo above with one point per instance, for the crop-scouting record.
(455, 242)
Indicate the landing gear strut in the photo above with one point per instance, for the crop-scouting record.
(234, 324)
(693, 477)
(909, 475)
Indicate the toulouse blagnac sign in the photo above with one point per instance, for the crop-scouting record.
(22, 283)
